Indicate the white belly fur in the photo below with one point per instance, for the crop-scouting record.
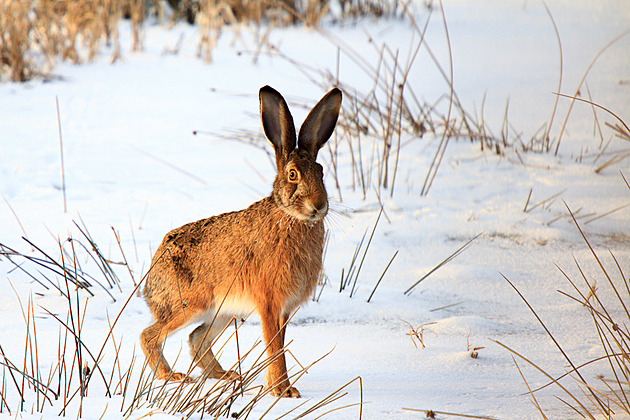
(239, 307)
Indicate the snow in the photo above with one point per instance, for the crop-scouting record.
(132, 163)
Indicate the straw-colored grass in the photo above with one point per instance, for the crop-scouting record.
(34, 34)
(111, 368)
(607, 396)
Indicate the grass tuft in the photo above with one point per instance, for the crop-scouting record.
(83, 368)
(606, 397)
(37, 33)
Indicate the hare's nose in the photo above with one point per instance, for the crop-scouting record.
(320, 207)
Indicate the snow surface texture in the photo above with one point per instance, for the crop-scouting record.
(122, 122)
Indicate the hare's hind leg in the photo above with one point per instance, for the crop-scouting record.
(151, 340)
(200, 341)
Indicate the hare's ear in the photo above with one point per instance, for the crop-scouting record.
(320, 123)
(277, 123)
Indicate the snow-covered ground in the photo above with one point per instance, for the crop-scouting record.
(131, 162)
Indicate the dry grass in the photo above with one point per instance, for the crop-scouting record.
(354, 9)
(15, 41)
(376, 122)
(443, 263)
(58, 382)
(373, 124)
(432, 414)
(608, 395)
(285, 12)
(417, 333)
(37, 33)
(354, 270)
(473, 351)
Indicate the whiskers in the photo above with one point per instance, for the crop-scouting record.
(337, 212)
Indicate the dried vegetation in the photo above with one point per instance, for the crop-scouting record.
(37, 33)
(375, 123)
(43, 380)
(607, 395)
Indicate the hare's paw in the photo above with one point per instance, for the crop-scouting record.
(222, 374)
(175, 377)
(178, 377)
(290, 392)
(230, 375)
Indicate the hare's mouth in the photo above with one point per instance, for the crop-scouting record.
(308, 212)
(315, 213)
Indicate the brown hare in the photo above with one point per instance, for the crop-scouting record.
(266, 257)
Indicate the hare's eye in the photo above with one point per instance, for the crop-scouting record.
(293, 176)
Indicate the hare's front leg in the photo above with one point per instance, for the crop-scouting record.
(277, 379)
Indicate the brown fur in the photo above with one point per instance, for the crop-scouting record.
(266, 257)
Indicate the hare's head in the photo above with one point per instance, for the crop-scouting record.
(299, 186)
